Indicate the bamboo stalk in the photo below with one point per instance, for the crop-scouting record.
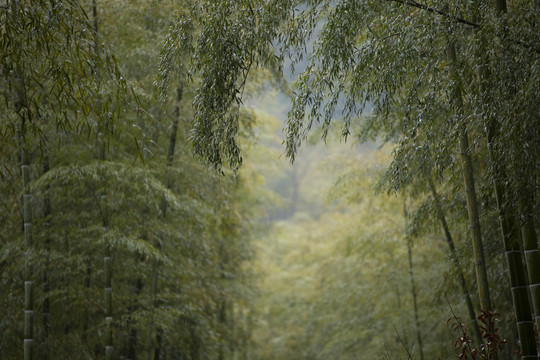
(516, 270)
(28, 245)
(88, 273)
(132, 338)
(108, 308)
(20, 104)
(107, 259)
(155, 276)
(532, 253)
(46, 286)
(474, 222)
(413, 293)
(470, 193)
(532, 259)
(455, 260)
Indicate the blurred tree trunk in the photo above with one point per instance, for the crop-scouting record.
(413, 292)
(132, 338)
(221, 317)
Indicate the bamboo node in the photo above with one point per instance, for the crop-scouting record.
(519, 287)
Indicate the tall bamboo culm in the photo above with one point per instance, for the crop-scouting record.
(530, 247)
(107, 262)
(413, 291)
(532, 258)
(516, 270)
(21, 107)
(415, 302)
(28, 244)
(45, 348)
(455, 260)
(470, 193)
(107, 259)
(518, 280)
(155, 351)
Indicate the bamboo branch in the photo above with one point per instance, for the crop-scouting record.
(436, 11)
(457, 19)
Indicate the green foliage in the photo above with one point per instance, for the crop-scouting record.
(335, 284)
(110, 179)
(177, 233)
(52, 57)
(219, 43)
(429, 75)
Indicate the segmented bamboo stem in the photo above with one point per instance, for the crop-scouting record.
(46, 286)
(518, 280)
(108, 308)
(28, 283)
(470, 193)
(532, 259)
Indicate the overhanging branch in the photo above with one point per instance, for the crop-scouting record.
(436, 11)
(457, 19)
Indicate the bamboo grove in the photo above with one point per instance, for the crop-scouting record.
(125, 245)
(453, 84)
(142, 215)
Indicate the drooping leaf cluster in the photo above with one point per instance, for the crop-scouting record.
(220, 43)
(49, 72)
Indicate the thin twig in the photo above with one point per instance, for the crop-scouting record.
(409, 355)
